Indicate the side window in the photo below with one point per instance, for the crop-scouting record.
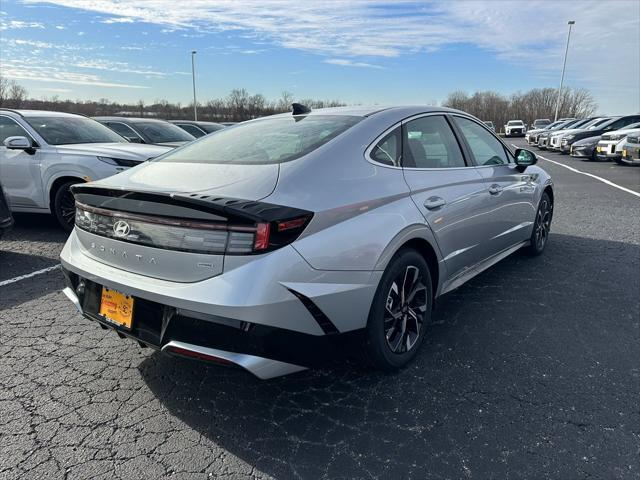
(9, 128)
(486, 149)
(429, 142)
(387, 151)
(122, 130)
(192, 129)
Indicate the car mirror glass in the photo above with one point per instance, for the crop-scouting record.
(525, 157)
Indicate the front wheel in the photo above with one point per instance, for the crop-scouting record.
(541, 226)
(400, 311)
(64, 206)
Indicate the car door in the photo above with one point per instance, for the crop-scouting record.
(446, 188)
(511, 192)
(19, 169)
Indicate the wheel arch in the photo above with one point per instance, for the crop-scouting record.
(424, 248)
(549, 191)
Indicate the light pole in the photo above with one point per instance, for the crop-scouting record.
(193, 77)
(564, 64)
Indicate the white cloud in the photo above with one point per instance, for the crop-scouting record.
(18, 24)
(350, 63)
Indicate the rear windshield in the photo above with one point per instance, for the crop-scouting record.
(72, 130)
(514, 122)
(272, 140)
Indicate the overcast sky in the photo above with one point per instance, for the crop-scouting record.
(357, 51)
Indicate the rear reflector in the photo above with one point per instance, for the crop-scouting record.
(262, 236)
(198, 356)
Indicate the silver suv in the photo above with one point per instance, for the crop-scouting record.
(43, 153)
(282, 241)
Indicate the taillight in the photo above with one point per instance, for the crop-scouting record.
(218, 238)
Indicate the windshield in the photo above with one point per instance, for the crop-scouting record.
(72, 130)
(514, 122)
(596, 123)
(272, 140)
(542, 123)
(553, 125)
(160, 132)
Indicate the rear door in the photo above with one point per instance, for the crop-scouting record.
(446, 188)
(19, 170)
(511, 192)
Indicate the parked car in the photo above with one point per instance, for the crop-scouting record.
(6, 219)
(489, 124)
(43, 153)
(540, 123)
(147, 130)
(555, 139)
(270, 255)
(228, 124)
(614, 123)
(197, 129)
(610, 145)
(631, 150)
(585, 148)
(543, 137)
(531, 137)
(515, 128)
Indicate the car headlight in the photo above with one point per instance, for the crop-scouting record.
(616, 137)
(118, 162)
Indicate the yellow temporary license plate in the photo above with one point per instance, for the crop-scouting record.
(598, 149)
(624, 153)
(117, 307)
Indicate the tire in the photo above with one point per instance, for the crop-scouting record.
(398, 320)
(541, 226)
(64, 206)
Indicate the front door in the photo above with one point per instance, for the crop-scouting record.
(447, 189)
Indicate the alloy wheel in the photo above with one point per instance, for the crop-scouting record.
(543, 224)
(405, 309)
(68, 207)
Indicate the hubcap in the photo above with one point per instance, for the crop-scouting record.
(68, 207)
(543, 224)
(405, 310)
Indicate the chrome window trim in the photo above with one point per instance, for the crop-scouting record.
(367, 152)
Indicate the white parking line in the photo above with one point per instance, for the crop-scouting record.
(28, 275)
(603, 180)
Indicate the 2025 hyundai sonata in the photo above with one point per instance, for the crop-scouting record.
(280, 242)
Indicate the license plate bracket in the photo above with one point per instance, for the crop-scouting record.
(117, 308)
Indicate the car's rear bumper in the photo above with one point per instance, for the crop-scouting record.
(275, 307)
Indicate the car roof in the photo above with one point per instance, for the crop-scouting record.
(40, 113)
(129, 119)
(367, 111)
(193, 122)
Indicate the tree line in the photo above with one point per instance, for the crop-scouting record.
(528, 106)
(240, 105)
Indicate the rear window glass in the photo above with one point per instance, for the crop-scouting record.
(272, 140)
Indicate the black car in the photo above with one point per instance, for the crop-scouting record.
(615, 123)
(198, 129)
(6, 219)
(147, 130)
(585, 148)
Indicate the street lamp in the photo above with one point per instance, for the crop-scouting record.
(564, 64)
(193, 77)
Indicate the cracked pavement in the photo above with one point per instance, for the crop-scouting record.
(531, 370)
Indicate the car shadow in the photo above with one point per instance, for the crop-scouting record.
(513, 361)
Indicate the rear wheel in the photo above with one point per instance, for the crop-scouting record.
(64, 206)
(400, 311)
(541, 226)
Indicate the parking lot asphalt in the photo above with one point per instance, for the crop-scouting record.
(531, 370)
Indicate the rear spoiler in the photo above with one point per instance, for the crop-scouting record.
(183, 205)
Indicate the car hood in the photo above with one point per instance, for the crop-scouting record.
(537, 130)
(587, 141)
(247, 182)
(128, 151)
(622, 131)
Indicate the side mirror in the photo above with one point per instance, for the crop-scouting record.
(19, 143)
(525, 158)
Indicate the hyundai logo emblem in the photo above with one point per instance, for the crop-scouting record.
(121, 228)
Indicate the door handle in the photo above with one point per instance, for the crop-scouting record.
(432, 203)
(495, 189)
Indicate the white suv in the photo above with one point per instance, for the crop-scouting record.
(515, 128)
(43, 153)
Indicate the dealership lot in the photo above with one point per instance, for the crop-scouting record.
(531, 370)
